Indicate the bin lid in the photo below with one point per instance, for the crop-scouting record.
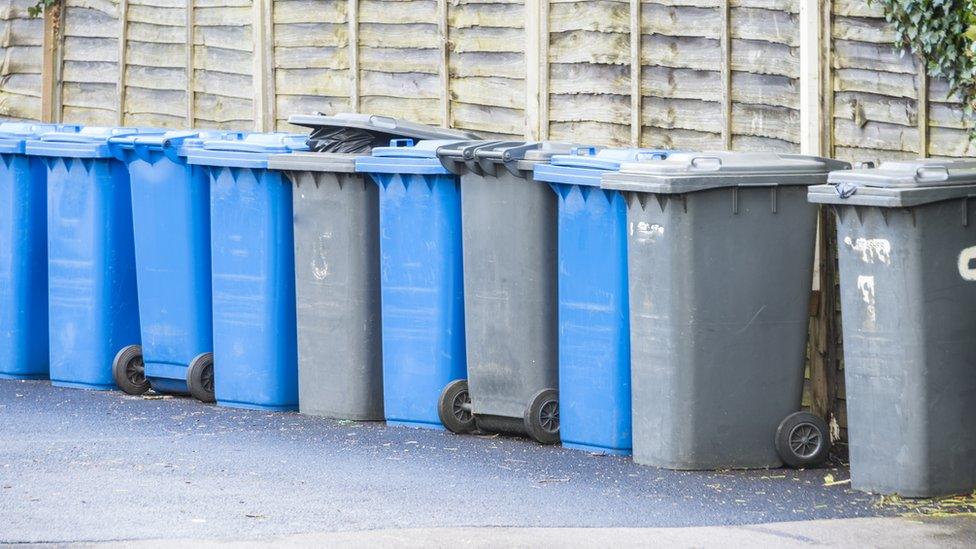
(403, 156)
(519, 157)
(14, 135)
(690, 172)
(251, 152)
(181, 140)
(586, 164)
(899, 184)
(458, 157)
(384, 127)
(88, 142)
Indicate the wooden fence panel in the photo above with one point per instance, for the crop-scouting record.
(20, 74)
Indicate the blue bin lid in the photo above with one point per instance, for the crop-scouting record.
(403, 156)
(586, 164)
(251, 152)
(180, 141)
(13, 135)
(88, 142)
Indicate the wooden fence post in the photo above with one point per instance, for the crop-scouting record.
(726, 61)
(263, 73)
(635, 72)
(51, 64)
(123, 37)
(353, 47)
(444, 72)
(190, 73)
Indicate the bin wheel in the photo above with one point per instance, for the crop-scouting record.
(200, 378)
(129, 371)
(803, 440)
(454, 407)
(542, 417)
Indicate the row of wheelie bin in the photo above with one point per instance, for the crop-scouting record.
(620, 301)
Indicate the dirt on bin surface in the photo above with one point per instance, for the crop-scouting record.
(80, 466)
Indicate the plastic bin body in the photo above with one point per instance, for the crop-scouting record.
(253, 272)
(171, 227)
(907, 283)
(594, 326)
(420, 279)
(509, 240)
(337, 271)
(340, 360)
(720, 267)
(23, 254)
(92, 301)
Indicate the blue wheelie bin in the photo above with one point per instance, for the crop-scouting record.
(92, 304)
(253, 270)
(23, 253)
(421, 284)
(171, 224)
(594, 328)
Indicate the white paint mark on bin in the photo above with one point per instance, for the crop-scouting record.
(865, 284)
(320, 265)
(649, 232)
(967, 264)
(872, 250)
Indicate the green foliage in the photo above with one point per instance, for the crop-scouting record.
(40, 6)
(943, 34)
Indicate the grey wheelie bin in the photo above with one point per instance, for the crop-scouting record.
(720, 261)
(508, 226)
(337, 261)
(906, 238)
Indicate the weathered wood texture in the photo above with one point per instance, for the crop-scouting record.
(155, 64)
(487, 66)
(586, 88)
(311, 58)
(682, 74)
(90, 66)
(21, 47)
(223, 42)
(877, 94)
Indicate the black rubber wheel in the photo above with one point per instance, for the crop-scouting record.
(454, 407)
(129, 372)
(803, 440)
(200, 378)
(542, 417)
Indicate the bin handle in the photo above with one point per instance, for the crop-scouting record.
(932, 173)
(383, 121)
(706, 163)
(401, 142)
(583, 151)
(644, 156)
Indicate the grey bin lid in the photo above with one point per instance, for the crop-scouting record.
(899, 184)
(684, 172)
(394, 127)
(518, 157)
(315, 162)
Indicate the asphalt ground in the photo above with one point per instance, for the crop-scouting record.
(81, 465)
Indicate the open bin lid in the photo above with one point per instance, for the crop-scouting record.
(403, 156)
(251, 152)
(586, 165)
(14, 135)
(899, 184)
(88, 142)
(691, 172)
(368, 131)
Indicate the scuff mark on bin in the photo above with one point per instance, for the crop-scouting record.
(866, 286)
(872, 250)
(320, 265)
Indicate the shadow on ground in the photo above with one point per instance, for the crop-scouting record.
(80, 465)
